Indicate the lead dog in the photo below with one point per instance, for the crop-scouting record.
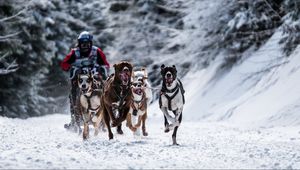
(141, 98)
(116, 97)
(89, 101)
(171, 99)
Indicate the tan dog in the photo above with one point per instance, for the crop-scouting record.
(116, 97)
(141, 98)
(89, 104)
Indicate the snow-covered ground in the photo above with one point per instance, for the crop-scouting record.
(43, 143)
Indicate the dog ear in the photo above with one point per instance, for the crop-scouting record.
(116, 67)
(174, 68)
(145, 72)
(131, 67)
(162, 68)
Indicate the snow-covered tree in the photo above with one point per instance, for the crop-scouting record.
(248, 23)
(35, 36)
(291, 26)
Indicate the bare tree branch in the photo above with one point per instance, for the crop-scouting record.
(4, 56)
(12, 67)
(8, 67)
(11, 17)
(9, 36)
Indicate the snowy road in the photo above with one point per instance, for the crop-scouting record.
(44, 143)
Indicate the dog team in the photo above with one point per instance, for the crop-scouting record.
(126, 95)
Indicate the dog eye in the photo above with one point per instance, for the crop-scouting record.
(80, 80)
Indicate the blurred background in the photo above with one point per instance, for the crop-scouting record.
(206, 40)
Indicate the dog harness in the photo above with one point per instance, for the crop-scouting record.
(164, 90)
(140, 104)
(89, 108)
(121, 97)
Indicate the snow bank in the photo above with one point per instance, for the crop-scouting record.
(262, 90)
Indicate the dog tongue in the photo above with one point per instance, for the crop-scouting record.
(124, 77)
(138, 91)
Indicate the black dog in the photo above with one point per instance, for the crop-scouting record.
(171, 99)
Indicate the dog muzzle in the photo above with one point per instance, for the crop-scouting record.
(138, 91)
(169, 81)
(125, 78)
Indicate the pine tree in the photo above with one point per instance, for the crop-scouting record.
(291, 26)
(248, 23)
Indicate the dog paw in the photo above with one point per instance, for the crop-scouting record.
(145, 134)
(120, 131)
(167, 130)
(66, 126)
(110, 136)
(85, 137)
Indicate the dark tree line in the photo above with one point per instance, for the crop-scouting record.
(36, 35)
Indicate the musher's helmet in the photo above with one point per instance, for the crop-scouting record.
(85, 41)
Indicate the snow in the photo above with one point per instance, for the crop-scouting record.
(243, 117)
(43, 143)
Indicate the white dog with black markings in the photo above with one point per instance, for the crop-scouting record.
(171, 99)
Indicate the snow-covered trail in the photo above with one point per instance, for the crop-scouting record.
(44, 143)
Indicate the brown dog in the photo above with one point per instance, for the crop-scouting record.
(141, 98)
(116, 97)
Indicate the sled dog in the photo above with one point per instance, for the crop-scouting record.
(171, 99)
(141, 98)
(116, 97)
(89, 102)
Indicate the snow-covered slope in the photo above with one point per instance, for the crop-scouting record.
(261, 90)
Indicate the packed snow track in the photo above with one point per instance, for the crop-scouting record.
(43, 143)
